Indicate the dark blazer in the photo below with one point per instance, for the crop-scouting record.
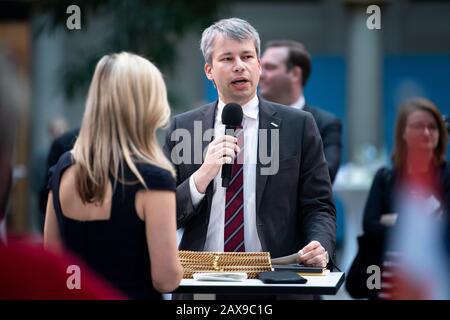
(372, 245)
(59, 146)
(293, 207)
(382, 198)
(330, 129)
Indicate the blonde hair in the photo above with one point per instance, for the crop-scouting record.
(126, 104)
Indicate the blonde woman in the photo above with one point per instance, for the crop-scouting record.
(112, 198)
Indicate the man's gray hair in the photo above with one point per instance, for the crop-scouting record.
(233, 28)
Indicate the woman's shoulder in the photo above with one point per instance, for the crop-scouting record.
(385, 172)
(153, 170)
(445, 167)
(384, 176)
(445, 173)
(64, 161)
(156, 177)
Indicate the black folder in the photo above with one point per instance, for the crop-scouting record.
(297, 268)
(281, 277)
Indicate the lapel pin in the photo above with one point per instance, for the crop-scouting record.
(274, 124)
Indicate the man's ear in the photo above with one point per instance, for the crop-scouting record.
(297, 73)
(259, 66)
(208, 71)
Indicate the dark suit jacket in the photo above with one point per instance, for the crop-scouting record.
(330, 129)
(383, 198)
(59, 146)
(293, 207)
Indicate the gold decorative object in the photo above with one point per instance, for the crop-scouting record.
(203, 261)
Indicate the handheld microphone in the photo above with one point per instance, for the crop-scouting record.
(232, 118)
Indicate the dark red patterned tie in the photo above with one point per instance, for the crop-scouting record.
(234, 202)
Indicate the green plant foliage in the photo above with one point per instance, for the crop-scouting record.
(150, 28)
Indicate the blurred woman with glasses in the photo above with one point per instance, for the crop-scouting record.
(419, 172)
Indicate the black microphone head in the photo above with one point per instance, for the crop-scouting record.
(232, 115)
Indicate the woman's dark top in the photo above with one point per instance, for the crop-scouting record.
(383, 194)
(385, 198)
(115, 248)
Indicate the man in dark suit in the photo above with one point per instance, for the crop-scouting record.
(59, 146)
(286, 66)
(284, 179)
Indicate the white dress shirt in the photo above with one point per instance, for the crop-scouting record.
(215, 235)
(300, 103)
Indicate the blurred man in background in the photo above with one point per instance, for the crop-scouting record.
(286, 67)
(56, 128)
(59, 146)
(9, 97)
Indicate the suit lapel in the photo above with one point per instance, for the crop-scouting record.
(268, 121)
(208, 117)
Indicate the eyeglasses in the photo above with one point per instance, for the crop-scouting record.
(420, 126)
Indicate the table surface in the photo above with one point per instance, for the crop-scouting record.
(324, 285)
